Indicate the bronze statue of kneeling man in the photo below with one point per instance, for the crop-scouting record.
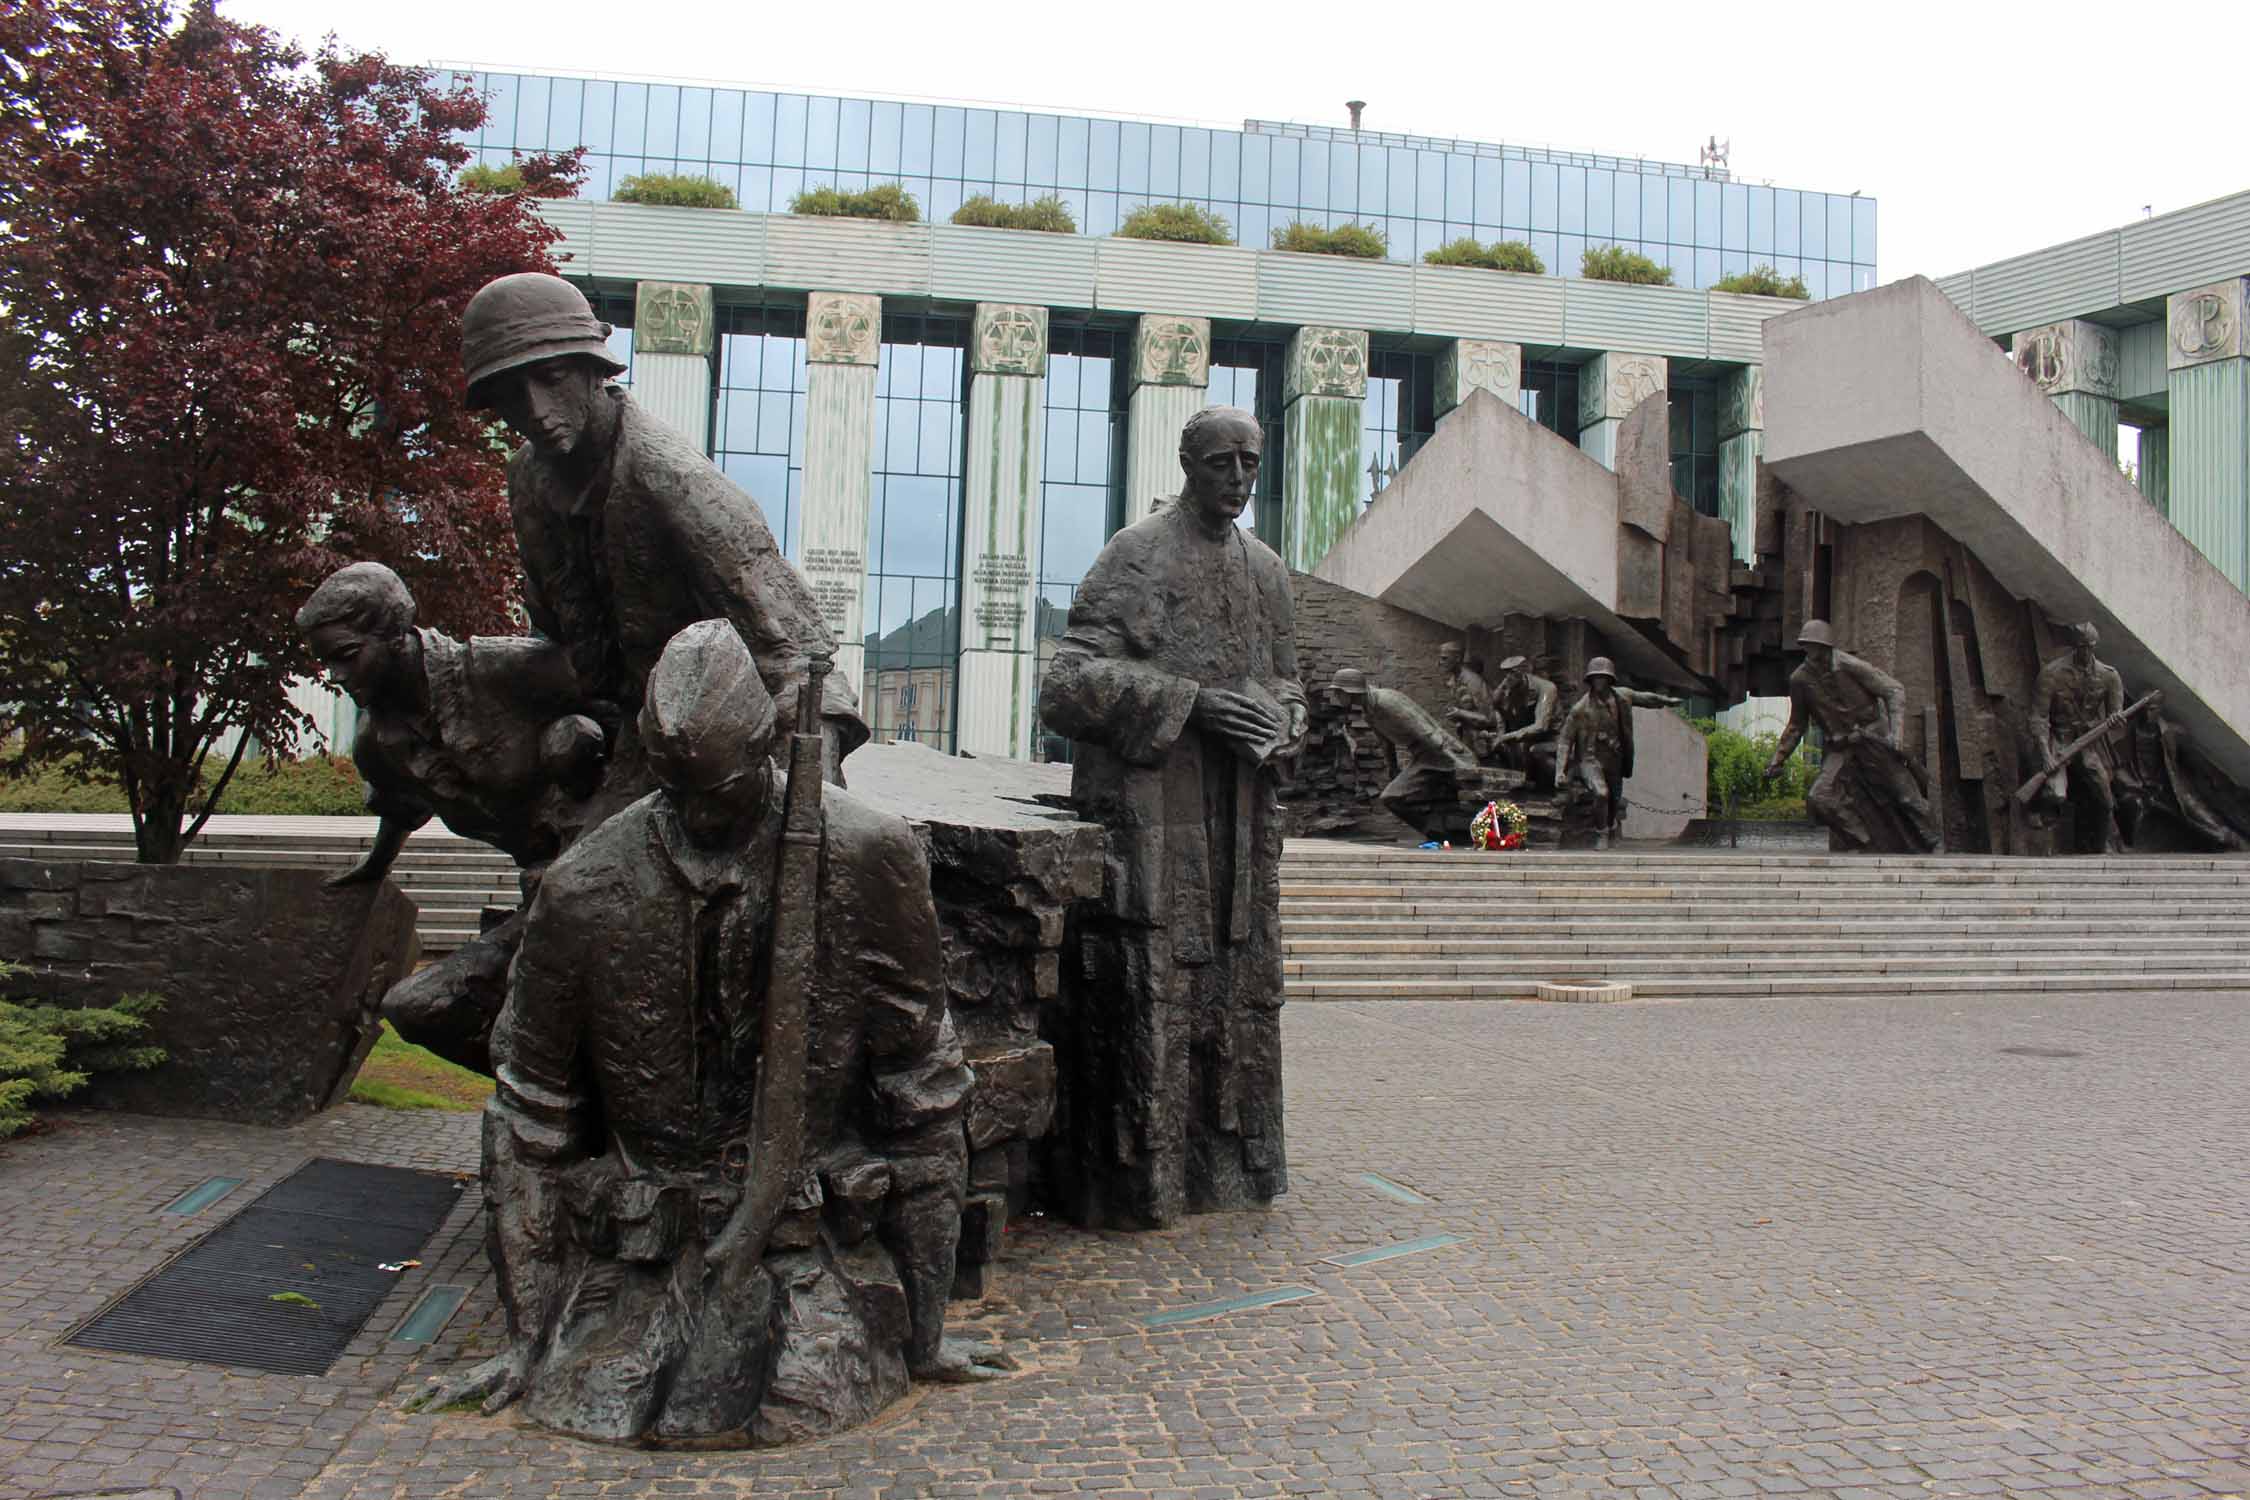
(724, 1164)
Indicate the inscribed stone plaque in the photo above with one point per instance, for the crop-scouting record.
(1172, 351)
(672, 317)
(2207, 324)
(1611, 385)
(1010, 338)
(1326, 362)
(2072, 356)
(843, 328)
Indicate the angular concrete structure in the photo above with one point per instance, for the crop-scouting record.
(1498, 516)
(1892, 404)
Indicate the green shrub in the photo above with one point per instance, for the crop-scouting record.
(674, 190)
(48, 1051)
(1764, 281)
(1616, 263)
(1186, 223)
(1048, 215)
(1360, 241)
(1500, 255)
(480, 178)
(1736, 785)
(885, 200)
(320, 786)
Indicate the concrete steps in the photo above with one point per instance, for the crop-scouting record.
(1369, 923)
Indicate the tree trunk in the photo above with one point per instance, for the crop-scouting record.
(156, 827)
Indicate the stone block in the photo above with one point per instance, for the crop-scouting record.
(984, 1223)
(264, 1041)
(1014, 1097)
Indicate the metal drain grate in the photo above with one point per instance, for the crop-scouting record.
(316, 1240)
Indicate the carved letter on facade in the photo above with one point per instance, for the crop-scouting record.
(843, 328)
(672, 317)
(1172, 351)
(2062, 358)
(1742, 402)
(1468, 365)
(2207, 324)
(1611, 385)
(1010, 339)
(1326, 362)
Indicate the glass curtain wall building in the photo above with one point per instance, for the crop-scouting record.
(768, 147)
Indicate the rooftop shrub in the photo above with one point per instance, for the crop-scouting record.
(1764, 281)
(885, 200)
(1360, 241)
(1500, 255)
(674, 190)
(1048, 215)
(1186, 223)
(1616, 263)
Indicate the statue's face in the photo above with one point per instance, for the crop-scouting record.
(1599, 686)
(1820, 658)
(1449, 658)
(1222, 469)
(2083, 653)
(550, 404)
(717, 795)
(366, 665)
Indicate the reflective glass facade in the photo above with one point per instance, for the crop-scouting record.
(914, 529)
(770, 146)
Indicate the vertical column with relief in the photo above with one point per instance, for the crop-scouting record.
(998, 675)
(843, 338)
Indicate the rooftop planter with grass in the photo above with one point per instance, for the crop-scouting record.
(1764, 281)
(1616, 263)
(1048, 215)
(887, 201)
(674, 190)
(1359, 241)
(1500, 255)
(1182, 223)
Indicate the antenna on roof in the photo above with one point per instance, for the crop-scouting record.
(1714, 154)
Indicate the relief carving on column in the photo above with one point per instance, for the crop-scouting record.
(672, 317)
(1009, 338)
(1742, 402)
(2207, 324)
(1479, 365)
(1611, 385)
(1326, 362)
(843, 328)
(2071, 356)
(1172, 351)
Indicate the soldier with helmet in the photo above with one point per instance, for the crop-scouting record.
(1596, 754)
(1869, 793)
(627, 533)
(1432, 761)
(2077, 693)
(1530, 713)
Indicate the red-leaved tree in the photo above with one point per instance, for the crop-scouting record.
(231, 284)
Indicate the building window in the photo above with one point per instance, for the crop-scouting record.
(1399, 415)
(1695, 443)
(914, 530)
(758, 426)
(1082, 481)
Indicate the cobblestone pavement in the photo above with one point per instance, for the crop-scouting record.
(1720, 1248)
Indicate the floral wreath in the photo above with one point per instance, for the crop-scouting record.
(1499, 825)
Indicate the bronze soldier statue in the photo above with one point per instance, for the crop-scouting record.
(627, 532)
(1428, 760)
(724, 1163)
(2076, 693)
(1177, 678)
(1596, 754)
(1870, 794)
(491, 736)
(1468, 709)
(1530, 713)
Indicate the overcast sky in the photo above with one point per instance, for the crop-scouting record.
(1983, 129)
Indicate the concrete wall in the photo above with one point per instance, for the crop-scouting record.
(1670, 775)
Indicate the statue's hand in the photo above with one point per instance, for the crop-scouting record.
(496, 1383)
(1773, 769)
(1235, 716)
(959, 1362)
